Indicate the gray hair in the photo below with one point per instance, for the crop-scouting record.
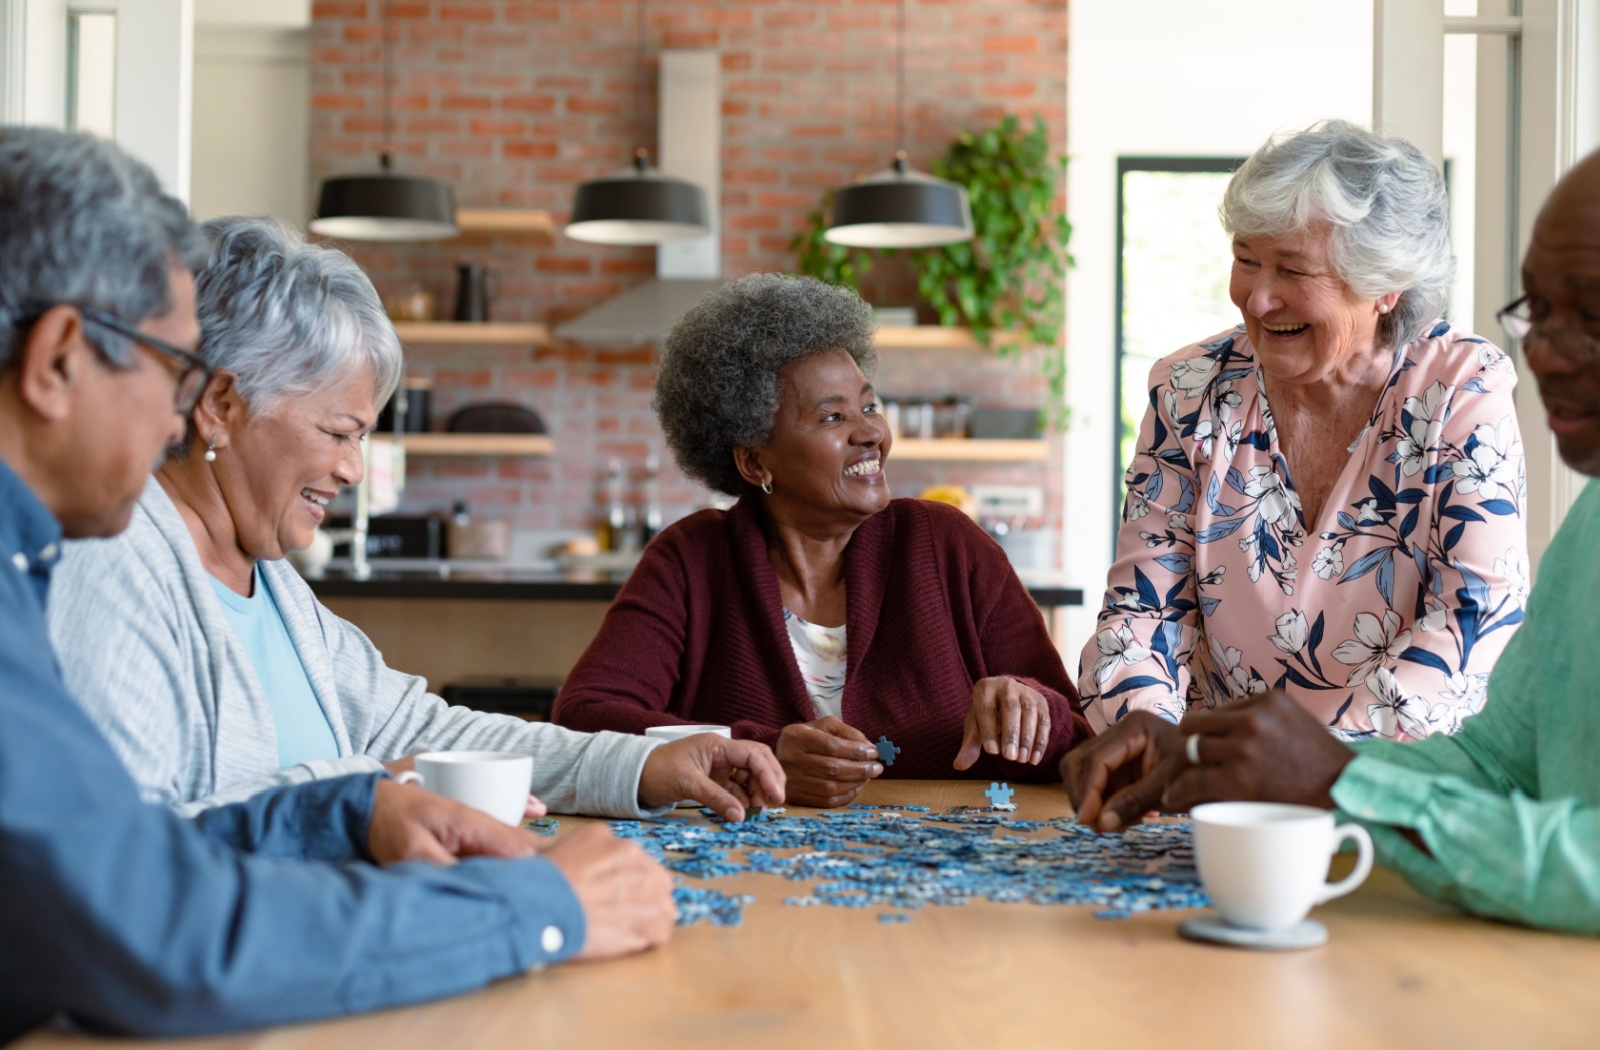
(82, 222)
(1384, 201)
(717, 389)
(286, 317)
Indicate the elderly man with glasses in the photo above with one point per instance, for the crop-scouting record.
(1502, 819)
(122, 916)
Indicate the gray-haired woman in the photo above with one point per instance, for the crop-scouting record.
(818, 615)
(208, 662)
(1327, 499)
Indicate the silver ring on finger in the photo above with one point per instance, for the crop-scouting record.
(1191, 748)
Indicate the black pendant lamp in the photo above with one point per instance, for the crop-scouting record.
(639, 205)
(900, 207)
(385, 205)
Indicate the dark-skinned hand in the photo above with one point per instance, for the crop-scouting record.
(625, 894)
(1006, 718)
(409, 823)
(1117, 777)
(1266, 748)
(827, 762)
(726, 775)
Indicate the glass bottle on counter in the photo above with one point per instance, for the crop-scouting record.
(616, 523)
(652, 499)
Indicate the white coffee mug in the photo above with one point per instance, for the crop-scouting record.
(679, 732)
(496, 782)
(1264, 865)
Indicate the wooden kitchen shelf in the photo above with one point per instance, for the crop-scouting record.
(471, 333)
(505, 220)
(970, 450)
(933, 337)
(474, 444)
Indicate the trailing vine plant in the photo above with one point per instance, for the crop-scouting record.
(1005, 284)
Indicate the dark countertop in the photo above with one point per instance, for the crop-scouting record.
(573, 585)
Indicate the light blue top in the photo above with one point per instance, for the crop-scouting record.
(303, 730)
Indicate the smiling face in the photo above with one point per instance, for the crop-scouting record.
(828, 446)
(1561, 274)
(1306, 323)
(280, 468)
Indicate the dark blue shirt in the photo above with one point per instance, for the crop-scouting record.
(124, 917)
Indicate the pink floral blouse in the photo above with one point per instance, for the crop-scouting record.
(1384, 617)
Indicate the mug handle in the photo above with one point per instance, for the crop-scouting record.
(410, 776)
(1363, 841)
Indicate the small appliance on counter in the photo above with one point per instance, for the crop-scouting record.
(476, 539)
(395, 536)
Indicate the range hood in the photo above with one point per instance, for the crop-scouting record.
(691, 148)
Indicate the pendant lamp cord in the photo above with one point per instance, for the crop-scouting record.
(640, 153)
(900, 85)
(386, 156)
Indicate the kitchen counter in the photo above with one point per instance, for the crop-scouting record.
(451, 621)
(480, 581)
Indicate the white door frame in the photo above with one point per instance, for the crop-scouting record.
(155, 75)
(1539, 66)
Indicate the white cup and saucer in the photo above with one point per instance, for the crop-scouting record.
(1265, 865)
(680, 732)
(495, 782)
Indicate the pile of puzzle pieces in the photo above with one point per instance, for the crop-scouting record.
(907, 857)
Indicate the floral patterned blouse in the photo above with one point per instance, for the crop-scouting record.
(1385, 616)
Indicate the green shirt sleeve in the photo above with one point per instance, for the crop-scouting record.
(1505, 856)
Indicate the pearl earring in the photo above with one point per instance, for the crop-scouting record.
(211, 450)
(1383, 308)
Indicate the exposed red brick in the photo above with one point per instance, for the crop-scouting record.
(331, 9)
(1020, 45)
(529, 150)
(560, 264)
(1014, 89)
(466, 102)
(467, 12)
(802, 98)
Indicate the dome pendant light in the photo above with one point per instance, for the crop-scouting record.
(639, 205)
(900, 207)
(385, 205)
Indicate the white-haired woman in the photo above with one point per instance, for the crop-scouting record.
(206, 659)
(1329, 498)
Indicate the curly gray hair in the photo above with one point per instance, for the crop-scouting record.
(286, 317)
(82, 222)
(717, 388)
(1384, 201)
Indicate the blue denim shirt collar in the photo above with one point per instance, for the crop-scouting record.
(30, 536)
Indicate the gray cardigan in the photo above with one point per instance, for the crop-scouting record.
(145, 647)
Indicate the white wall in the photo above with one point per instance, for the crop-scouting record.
(1176, 78)
(251, 122)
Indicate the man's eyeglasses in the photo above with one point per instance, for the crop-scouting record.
(1578, 347)
(193, 372)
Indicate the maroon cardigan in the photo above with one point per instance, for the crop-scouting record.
(932, 605)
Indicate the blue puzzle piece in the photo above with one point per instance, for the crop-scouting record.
(999, 795)
(886, 751)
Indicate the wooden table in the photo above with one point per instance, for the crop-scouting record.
(1399, 971)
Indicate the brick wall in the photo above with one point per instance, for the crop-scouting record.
(516, 102)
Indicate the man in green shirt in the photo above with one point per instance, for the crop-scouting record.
(1503, 818)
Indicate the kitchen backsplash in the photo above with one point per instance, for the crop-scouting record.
(515, 103)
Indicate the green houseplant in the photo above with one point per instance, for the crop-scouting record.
(1006, 283)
